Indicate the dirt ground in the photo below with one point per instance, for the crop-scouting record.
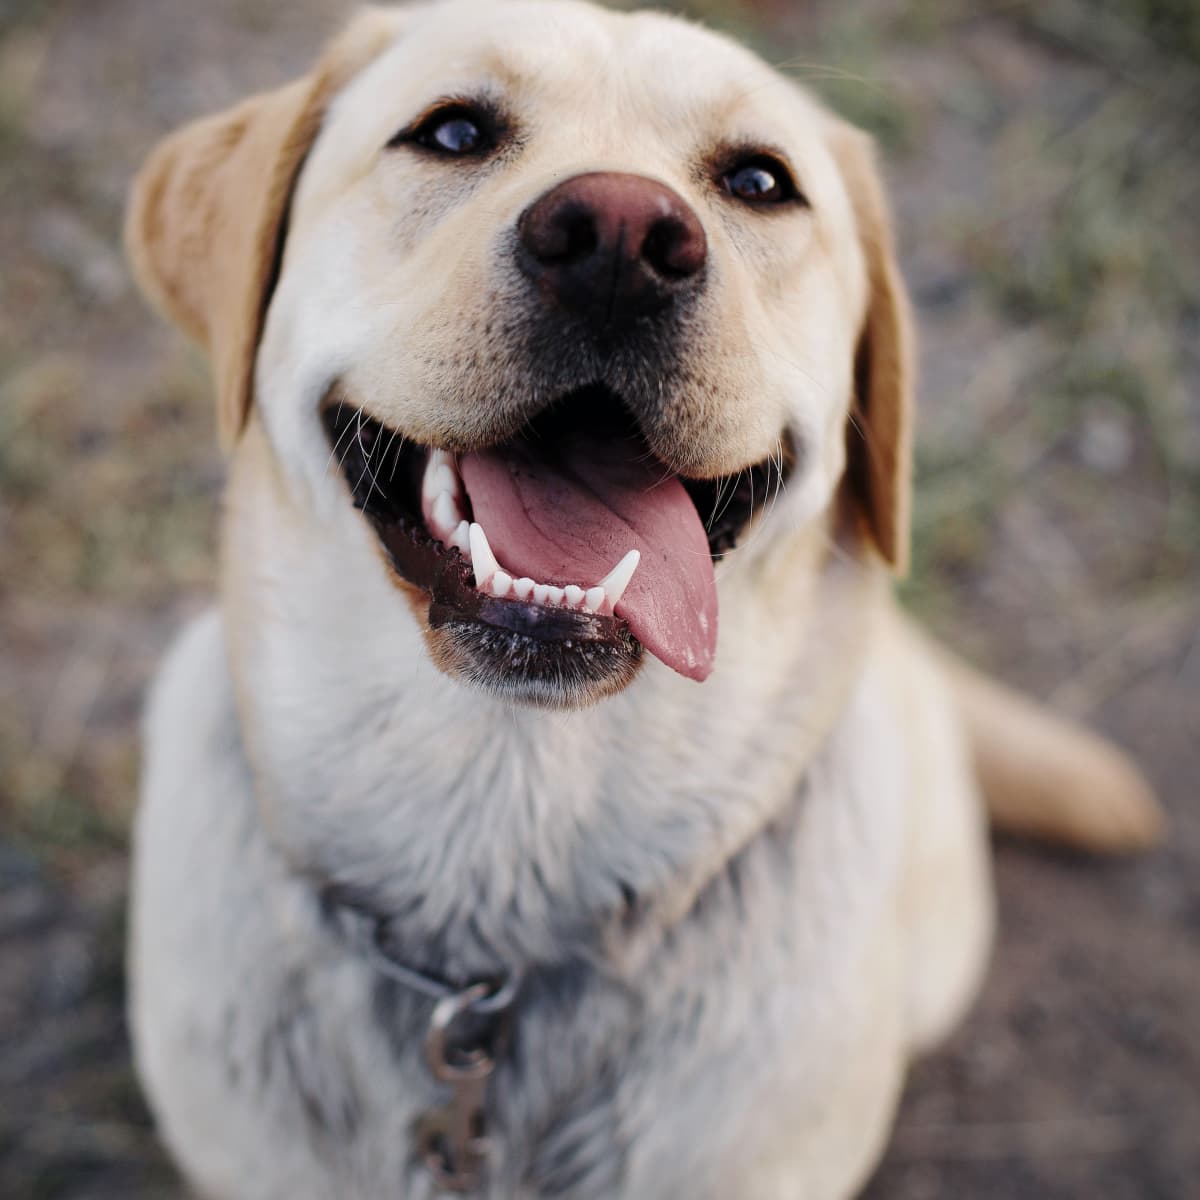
(1045, 168)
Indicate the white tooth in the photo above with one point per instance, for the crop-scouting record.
(439, 466)
(541, 593)
(501, 583)
(462, 538)
(445, 480)
(482, 558)
(617, 580)
(523, 588)
(574, 595)
(555, 596)
(593, 598)
(445, 514)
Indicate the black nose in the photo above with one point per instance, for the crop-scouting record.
(612, 247)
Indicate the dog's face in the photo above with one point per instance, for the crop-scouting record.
(568, 302)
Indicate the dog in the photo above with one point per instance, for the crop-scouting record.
(556, 803)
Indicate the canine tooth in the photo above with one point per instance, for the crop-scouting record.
(593, 598)
(523, 587)
(541, 593)
(555, 596)
(617, 580)
(574, 595)
(462, 537)
(482, 558)
(445, 513)
(502, 582)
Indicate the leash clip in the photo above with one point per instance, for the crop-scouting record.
(467, 1032)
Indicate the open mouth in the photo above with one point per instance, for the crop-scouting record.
(554, 557)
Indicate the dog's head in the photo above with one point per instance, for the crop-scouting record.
(565, 302)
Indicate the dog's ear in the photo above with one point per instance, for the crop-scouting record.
(879, 434)
(207, 212)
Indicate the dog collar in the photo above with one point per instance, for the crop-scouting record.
(468, 1033)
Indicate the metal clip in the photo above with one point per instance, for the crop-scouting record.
(460, 1049)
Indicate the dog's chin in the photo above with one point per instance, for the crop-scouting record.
(520, 651)
(556, 645)
(562, 672)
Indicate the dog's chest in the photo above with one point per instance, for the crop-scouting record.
(742, 1016)
(719, 1033)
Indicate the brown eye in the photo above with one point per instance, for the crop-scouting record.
(455, 135)
(455, 131)
(760, 181)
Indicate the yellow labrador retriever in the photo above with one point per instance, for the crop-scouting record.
(555, 805)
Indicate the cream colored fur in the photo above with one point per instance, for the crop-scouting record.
(771, 889)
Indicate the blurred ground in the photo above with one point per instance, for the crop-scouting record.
(1046, 173)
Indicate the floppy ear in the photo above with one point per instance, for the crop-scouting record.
(207, 212)
(879, 434)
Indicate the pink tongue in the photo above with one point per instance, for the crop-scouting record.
(570, 512)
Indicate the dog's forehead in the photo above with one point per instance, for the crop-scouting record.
(565, 62)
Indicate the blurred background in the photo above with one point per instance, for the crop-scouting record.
(1044, 160)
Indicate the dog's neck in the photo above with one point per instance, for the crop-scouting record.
(495, 836)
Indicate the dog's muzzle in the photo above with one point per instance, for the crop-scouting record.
(555, 555)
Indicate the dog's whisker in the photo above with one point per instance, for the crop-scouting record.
(735, 484)
(350, 427)
(720, 492)
(367, 472)
(776, 459)
(394, 457)
(333, 452)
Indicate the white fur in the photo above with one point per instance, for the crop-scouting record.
(801, 832)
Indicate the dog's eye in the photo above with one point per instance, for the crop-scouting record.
(459, 132)
(455, 135)
(760, 181)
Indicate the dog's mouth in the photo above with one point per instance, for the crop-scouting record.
(560, 553)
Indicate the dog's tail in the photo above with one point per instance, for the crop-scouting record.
(1048, 778)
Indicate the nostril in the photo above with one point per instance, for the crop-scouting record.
(560, 235)
(579, 237)
(675, 248)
